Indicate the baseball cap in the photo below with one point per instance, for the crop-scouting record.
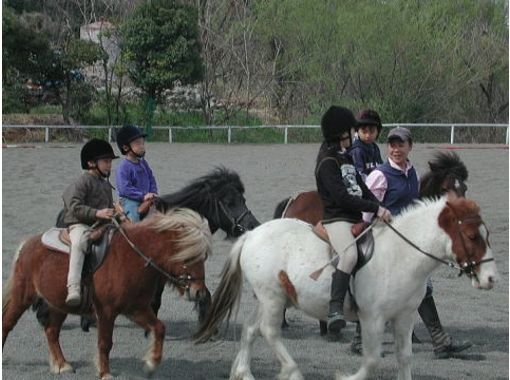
(402, 134)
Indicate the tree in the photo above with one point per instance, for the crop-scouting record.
(160, 45)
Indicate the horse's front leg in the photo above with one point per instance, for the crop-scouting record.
(148, 321)
(402, 331)
(105, 323)
(58, 363)
(372, 331)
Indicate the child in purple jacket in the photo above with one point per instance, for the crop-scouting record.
(134, 178)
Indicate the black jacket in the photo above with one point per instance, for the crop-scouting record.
(344, 194)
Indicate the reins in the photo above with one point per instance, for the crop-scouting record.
(182, 280)
(467, 267)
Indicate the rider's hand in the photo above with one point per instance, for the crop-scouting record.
(384, 214)
(149, 196)
(105, 213)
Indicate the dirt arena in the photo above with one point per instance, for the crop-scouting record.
(34, 179)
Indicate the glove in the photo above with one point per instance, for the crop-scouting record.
(384, 214)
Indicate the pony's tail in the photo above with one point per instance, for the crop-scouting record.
(7, 288)
(280, 208)
(226, 297)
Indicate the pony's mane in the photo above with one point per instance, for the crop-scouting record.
(194, 242)
(448, 162)
(200, 193)
(419, 206)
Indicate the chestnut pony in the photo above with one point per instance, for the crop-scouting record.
(277, 258)
(171, 246)
(447, 173)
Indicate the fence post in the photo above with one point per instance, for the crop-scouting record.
(109, 135)
(229, 135)
(507, 135)
(46, 134)
(170, 137)
(285, 135)
(452, 134)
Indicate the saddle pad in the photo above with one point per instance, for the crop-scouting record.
(51, 240)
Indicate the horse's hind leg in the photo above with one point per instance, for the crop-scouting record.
(402, 330)
(148, 321)
(58, 364)
(270, 329)
(241, 366)
(16, 300)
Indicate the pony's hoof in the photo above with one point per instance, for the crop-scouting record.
(64, 368)
(107, 376)
(149, 367)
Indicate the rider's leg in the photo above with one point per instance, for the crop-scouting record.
(77, 256)
(340, 236)
(444, 345)
(130, 207)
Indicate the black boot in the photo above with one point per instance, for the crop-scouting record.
(339, 286)
(444, 346)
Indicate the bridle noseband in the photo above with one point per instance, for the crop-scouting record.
(235, 223)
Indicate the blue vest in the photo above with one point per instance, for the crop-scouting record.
(402, 190)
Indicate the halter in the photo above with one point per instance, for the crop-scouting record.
(182, 281)
(467, 267)
(234, 222)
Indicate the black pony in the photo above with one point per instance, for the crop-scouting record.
(447, 172)
(219, 197)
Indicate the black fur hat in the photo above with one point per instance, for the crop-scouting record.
(94, 150)
(335, 122)
(127, 134)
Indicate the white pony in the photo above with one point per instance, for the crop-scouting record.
(277, 258)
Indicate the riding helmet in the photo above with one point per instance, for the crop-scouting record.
(369, 117)
(127, 134)
(335, 122)
(94, 150)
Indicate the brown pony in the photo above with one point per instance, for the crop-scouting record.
(171, 246)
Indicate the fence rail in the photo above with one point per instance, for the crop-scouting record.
(234, 127)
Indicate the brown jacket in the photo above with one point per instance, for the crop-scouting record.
(84, 197)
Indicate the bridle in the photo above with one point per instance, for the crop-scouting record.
(466, 267)
(182, 281)
(235, 223)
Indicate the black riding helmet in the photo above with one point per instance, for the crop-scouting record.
(369, 117)
(335, 122)
(94, 150)
(127, 134)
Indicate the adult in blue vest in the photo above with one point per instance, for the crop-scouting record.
(396, 185)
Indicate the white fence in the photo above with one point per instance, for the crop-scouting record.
(232, 127)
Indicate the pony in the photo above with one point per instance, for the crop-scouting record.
(168, 246)
(447, 173)
(219, 197)
(278, 257)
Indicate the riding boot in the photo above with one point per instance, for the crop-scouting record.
(444, 345)
(356, 345)
(339, 286)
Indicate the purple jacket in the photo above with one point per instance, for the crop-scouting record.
(134, 180)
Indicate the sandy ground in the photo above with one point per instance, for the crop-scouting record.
(34, 179)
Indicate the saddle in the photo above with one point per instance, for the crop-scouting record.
(58, 240)
(365, 245)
